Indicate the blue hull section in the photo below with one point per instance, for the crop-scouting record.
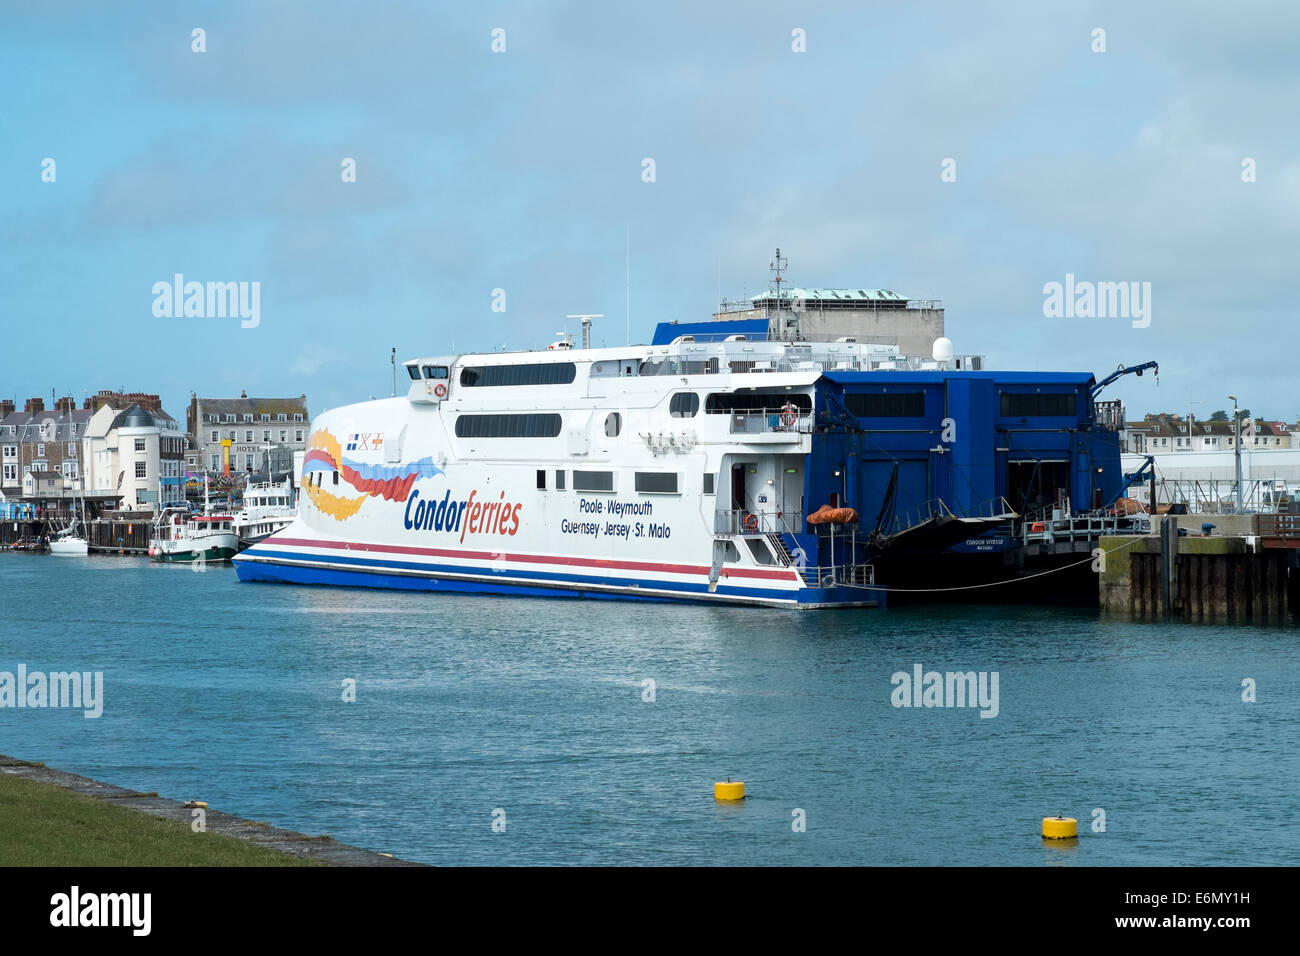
(379, 574)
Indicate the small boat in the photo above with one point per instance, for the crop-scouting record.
(267, 509)
(180, 536)
(68, 542)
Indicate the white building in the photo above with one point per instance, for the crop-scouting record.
(135, 454)
(1207, 479)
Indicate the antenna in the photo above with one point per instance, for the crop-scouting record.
(394, 360)
(586, 327)
(776, 267)
(628, 304)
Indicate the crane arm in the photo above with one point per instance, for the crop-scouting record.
(1122, 371)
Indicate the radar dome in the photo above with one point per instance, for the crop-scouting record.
(942, 349)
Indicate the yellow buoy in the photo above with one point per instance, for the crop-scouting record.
(1060, 828)
(729, 790)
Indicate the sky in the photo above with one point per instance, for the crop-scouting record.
(524, 170)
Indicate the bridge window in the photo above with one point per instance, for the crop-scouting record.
(536, 373)
(886, 404)
(684, 405)
(508, 426)
(435, 371)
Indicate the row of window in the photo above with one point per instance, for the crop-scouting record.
(722, 403)
(1209, 440)
(544, 373)
(266, 435)
(248, 417)
(886, 404)
(1038, 405)
(548, 425)
(912, 404)
(214, 462)
(645, 482)
(539, 425)
(430, 371)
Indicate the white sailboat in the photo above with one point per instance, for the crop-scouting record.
(68, 542)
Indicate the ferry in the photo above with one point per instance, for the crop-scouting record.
(654, 473)
(726, 463)
(267, 508)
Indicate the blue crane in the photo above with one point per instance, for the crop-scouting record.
(1122, 371)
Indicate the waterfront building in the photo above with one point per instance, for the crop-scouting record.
(136, 456)
(243, 435)
(1205, 479)
(1163, 433)
(43, 442)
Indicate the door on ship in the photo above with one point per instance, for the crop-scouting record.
(1034, 486)
(738, 488)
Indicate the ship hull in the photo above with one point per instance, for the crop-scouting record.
(352, 564)
(214, 553)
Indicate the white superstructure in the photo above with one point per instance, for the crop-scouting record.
(656, 472)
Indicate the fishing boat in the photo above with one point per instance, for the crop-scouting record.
(267, 508)
(181, 536)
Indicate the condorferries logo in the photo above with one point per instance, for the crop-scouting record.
(365, 441)
(472, 515)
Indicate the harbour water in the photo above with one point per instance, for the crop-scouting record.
(467, 706)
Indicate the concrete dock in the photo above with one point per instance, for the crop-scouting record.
(1247, 574)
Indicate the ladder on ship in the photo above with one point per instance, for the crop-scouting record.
(777, 542)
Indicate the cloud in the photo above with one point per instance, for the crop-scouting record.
(313, 357)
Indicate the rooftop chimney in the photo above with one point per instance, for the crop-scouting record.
(34, 405)
(7, 407)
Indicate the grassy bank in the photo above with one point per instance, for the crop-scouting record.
(44, 825)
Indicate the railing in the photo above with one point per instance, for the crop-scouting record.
(770, 420)
(1084, 527)
(914, 515)
(764, 522)
(839, 575)
(1280, 529)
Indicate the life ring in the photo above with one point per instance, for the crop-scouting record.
(440, 390)
(751, 522)
(789, 416)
